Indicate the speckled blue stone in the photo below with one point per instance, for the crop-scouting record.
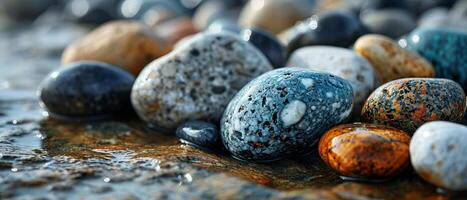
(445, 49)
(86, 90)
(283, 113)
(268, 44)
(199, 133)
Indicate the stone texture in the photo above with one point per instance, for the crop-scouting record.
(437, 152)
(365, 150)
(391, 61)
(197, 80)
(343, 63)
(125, 44)
(86, 90)
(283, 113)
(409, 103)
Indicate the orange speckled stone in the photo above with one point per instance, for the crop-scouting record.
(365, 150)
(391, 61)
(127, 44)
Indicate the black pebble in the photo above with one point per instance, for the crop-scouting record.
(199, 133)
(268, 44)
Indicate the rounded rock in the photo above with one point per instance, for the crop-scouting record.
(268, 44)
(197, 80)
(437, 153)
(390, 60)
(126, 44)
(365, 151)
(445, 49)
(408, 103)
(275, 15)
(283, 113)
(389, 22)
(442, 18)
(86, 90)
(341, 62)
(199, 133)
(333, 28)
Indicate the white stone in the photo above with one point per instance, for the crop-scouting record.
(293, 112)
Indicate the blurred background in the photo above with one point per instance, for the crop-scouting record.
(33, 33)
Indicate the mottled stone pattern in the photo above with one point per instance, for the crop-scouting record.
(438, 154)
(127, 44)
(197, 80)
(343, 63)
(391, 61)
(86, 89)
(445, 49)
(283, 113)
(365, 150)
(408, 103)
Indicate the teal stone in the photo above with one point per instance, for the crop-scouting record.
(445, 49)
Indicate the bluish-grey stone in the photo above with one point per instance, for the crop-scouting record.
(283, 113)
(199, 133)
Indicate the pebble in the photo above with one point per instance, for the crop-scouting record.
(408, 103)
(126, 44)
(442, 18)
(92, 11)
(275, 15)
(445, 49)
(333, 28)
(390, 60)
(197, 80)
(268, 44)
(199, 133)
(420, 6)
(86, 90)
(341, 62)
(437, 153)
(173, 30)
(214, 10)
(283, 113)
(365, 151)
(389, 22)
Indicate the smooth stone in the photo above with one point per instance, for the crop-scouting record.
(333, 28)
(438, 154)
(389, 22)
(442, 18)
(224, 25)
(365, 150)
(390, 60)
(126, 44)
(92, 11)
(86, 90)
(173, 30)
(203, 134)
(268, 44)
(283, 113)
(150, 12)
(445, 49)
(197, 80)
(24, 9)
(420, 6)
(214, 10)
(408, 103)
(275, 15)
(341, 62)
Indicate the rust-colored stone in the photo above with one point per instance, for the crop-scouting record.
(365, 150)
(127, 44)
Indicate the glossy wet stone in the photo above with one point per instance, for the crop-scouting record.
(408, 103)
(92, 11)
(391, 61)
(437, 152)
(389, 22)
(445, 49)
(341, 62)
(197, 80)
(275, 15)
(126, 44)
(86, 90)
(333, 28)
(283, 113)
(365, 151)
(268, 45)
(199, 133)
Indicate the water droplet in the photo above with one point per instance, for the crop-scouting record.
(106, 179)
